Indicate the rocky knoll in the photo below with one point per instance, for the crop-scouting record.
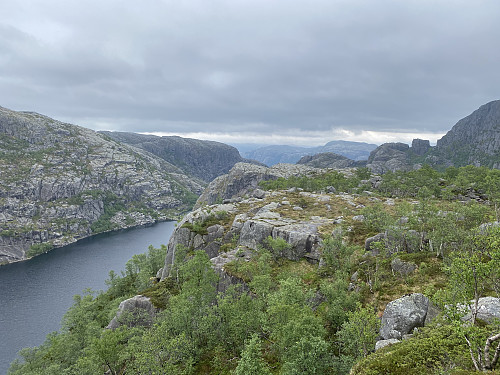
(61, 182)
(203, 159)
(389, 157)
(244, 178)
(327, 160)
(226, 231)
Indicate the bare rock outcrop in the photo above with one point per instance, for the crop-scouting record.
(133, 312)
(389, 157)
(243, 179)
(404, 314)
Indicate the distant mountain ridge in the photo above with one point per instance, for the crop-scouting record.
(275, 154)
(203, 159)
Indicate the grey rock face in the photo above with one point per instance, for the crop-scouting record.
(370, 240)
(396, 240)
(420, 146)
(389, 157)
(402, 268)
(226, 280)
(383, 343)
(133, 312)
(488, 310)
(401, 316)
(57, 180)
(473, 140)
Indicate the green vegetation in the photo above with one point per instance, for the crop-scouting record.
(38, 249)
(299, 317)
(316, 183)
(219, 217)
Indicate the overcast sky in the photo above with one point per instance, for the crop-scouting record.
(266, 71)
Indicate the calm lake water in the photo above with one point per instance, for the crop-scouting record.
(34, 295)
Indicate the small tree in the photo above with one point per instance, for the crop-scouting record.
(358, 334)
(251, 362)
(474, 270)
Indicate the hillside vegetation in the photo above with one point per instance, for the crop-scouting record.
(272, 308)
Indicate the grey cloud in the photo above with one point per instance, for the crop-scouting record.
(226, 66)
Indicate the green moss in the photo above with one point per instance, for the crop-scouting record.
(432, 351)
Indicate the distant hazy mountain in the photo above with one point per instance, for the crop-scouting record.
(271, 155)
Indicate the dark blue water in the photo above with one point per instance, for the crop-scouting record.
(34, 295)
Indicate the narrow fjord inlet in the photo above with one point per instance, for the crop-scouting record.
(36, 293)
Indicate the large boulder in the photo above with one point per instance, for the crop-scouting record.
(488, 310)
(396, 240)
(133, 312)
(225, 279)
(383, 343)
(402, 268)
(401, 316)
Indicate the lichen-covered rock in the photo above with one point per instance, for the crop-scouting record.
(225, 279)
(383, 343)
(401, 316)
(133, 312)
(488, 310)
(402, 268)
(369, 242)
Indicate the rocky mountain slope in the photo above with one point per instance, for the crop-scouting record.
(203, 159)
(271, 155)
(61, 182)
(474, 140)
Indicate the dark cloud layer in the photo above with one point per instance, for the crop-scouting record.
(324, 69)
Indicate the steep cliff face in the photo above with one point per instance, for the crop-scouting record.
(203, 159)
(60, 182)
(473, 140)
